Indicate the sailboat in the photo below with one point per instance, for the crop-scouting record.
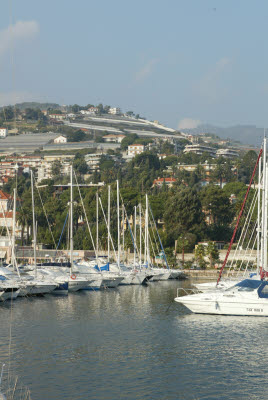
(248, 296)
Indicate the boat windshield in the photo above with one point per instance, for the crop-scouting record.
(248, 285)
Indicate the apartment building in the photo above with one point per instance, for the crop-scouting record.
(135, 149)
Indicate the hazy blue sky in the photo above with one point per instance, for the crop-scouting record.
(173, 60)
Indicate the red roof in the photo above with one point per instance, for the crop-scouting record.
(4, 196)
(167, 180)
(7, 214)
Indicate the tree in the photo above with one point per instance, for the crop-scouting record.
(183, 213)
(217, 204)
(200, 254)
(212, 252)
(247, 165)
(56, 169)
(130, 113)
(128, 140)
(79, 164)
(77, 136)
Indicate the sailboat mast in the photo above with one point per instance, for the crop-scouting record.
(263, 202)
(14, 230)
(147, 233)
(71, 219)
(123, 228)
(265, 221)
(109, 220)
(34, 231)
(97, 224)
(135, 234)
(118, 224)
(259, 219)
(140, 235)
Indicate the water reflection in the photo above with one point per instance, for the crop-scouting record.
(132, 343)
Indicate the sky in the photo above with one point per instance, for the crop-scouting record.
(181, 62)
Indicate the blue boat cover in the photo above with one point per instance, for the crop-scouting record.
(2, 278)
(105, 267)
(250, 283)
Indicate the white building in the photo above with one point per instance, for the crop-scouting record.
(227, 153)
(3, 132)
(60, 139)
(200, 149)
(93, 160)
(114, 110)
(113, 138)
(135, 149)
(57, 117)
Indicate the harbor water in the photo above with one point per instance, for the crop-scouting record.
(132, 343)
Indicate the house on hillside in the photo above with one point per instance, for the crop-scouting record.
(159, 182)
(5, 201)
(60, 139)
(200, 149)
(57, 117)
(113, 138)
(114, 110)
(3, 132)
(135, 149)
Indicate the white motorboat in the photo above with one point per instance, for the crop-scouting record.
(248, 297)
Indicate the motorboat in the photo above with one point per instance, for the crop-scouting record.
(248, 297)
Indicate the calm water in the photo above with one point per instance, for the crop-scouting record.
(133, 343)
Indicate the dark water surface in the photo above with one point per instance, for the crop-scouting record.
(133, 343)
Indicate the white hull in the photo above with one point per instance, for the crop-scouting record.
(41, 289)
(255, 308)
(111, 282)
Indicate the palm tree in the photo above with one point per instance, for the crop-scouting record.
(200, 254)
(22, 221)
(212, 252)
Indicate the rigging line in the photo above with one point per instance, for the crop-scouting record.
(49, 226)
(248, 233)
(154, 236)
(131, 234)
(245, 253)
(238, 220)
(110, 238)
(84, 210)
(250, 255)
(11, 309)
(243, 233)
(130, 230)
(158, 236)
(62, 232)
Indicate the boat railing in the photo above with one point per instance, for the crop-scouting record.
(188, 291)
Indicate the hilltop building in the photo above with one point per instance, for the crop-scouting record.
(227, 153)
(60, 139)
(113, 138)
(3, 132)
(200, 149)
(114, 111)
(135, 149)
(159, 182)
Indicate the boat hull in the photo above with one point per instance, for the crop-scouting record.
(220, 307)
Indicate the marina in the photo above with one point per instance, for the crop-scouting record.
(132, 342)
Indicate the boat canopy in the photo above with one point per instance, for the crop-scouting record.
(249, 285)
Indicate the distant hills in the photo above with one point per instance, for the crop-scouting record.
(246, 134)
